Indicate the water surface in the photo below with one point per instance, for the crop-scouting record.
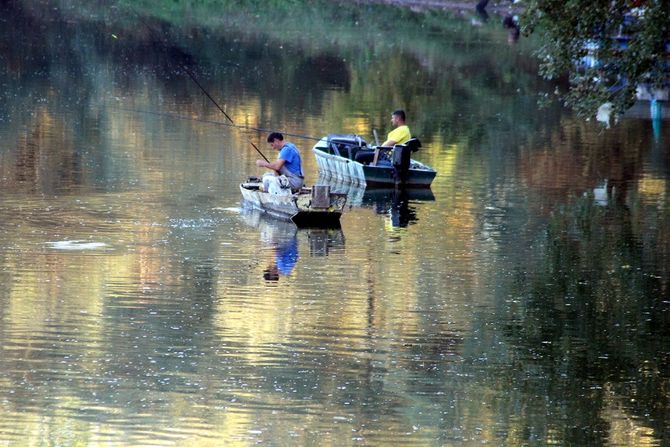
(523, 300)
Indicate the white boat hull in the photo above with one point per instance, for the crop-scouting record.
(310, 207)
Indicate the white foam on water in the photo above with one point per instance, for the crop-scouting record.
(231, 209)
(76, 245)
(192, 223)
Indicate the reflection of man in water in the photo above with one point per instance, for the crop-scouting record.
(510, 22)
(286, 257)
(512, 27)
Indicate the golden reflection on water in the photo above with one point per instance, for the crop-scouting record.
(141, 306)
(142, 316)
(84, 311)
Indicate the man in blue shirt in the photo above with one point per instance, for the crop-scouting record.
(288, 163)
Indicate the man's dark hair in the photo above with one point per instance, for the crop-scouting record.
(275, 136)
(400, 113)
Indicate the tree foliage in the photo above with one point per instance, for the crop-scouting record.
(607, 48)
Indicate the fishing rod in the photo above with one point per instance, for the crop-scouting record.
(192, 76)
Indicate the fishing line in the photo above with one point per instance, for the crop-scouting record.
(220, 123)
(192, 76)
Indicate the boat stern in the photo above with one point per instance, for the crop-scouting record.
(320, 206)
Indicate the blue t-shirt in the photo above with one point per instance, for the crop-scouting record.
(291, 156)
(287, 256)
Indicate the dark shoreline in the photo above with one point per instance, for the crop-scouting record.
(495, 7)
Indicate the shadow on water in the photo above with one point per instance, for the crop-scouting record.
(400, 204)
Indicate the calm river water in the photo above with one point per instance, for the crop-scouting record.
(523, 300)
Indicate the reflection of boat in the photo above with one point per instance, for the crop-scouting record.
(271, 229)
(348, 158)
(282, 236)
(358, 196)
(315, 206)
(392, 201)
(323, 240)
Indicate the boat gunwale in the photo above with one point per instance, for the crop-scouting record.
(316, 217)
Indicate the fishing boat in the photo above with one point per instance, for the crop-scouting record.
(315, 206)
(348, 158)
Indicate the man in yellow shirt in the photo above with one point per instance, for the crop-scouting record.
(401, 133)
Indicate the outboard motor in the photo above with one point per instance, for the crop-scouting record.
(320, 196)
(401, 159)
(413, 144)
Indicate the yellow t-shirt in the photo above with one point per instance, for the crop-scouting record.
(400, 135)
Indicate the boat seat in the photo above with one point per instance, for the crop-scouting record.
(413, 144)
(346, 146)
(365, 156)
(348, 151)
(336, 149)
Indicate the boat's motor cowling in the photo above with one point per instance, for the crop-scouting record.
(414, 144)
(401, 159)
(320, 196)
